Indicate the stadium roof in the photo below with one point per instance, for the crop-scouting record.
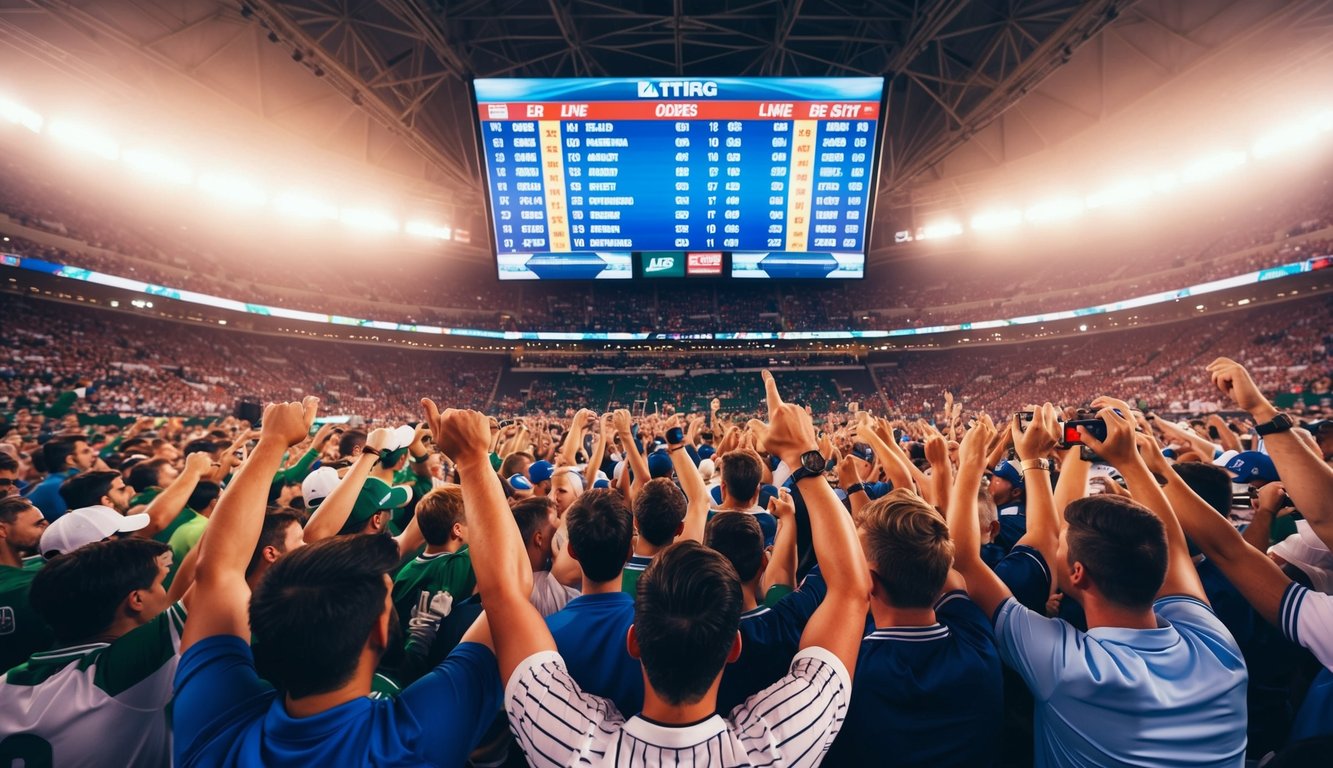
(976, 86)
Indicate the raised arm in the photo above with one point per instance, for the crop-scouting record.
(1307, 478)
(624, 428)
(782, 562)
(983, 586)
(1199, 445)
(836, 625)
(696, 493)
(169, 503)
(941, 471)
(1121, 449)
(850, 481)
(332, 513)
(897, 470)
(1033, 444)
(499, 559)
(219, 605)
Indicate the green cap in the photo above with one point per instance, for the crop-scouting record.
(376, 495)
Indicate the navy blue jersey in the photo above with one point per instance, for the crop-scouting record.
(590, 634)
(1025, 573)
(770, 638)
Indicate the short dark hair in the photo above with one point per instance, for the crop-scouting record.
(739, 538)
(1212, 484)
(87, 488)
(145, 474)
(438, 511)
(686, 615)
(907, 545)
(350, 441)
(205, 491)
(272, 533)
(531, 513)
(55, 452)
(509, 466)
(11, 506)
(78, 593)
(659, 508)
(313, 610)
(8, 463)
(1122, 546)
(742, 471)
(203, 445)
(601, 530)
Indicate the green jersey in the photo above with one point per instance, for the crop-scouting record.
(94, 704)
(185, 538)
(444, 572)
(22, 631)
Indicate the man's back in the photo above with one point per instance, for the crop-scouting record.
(443, 572)
(926, 696)
(1170, 696)
(590, 633)
(81, 704)
(225, 715)
(22, 631)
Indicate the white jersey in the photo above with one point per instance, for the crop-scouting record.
(791, 723)
(548, 594)
(99, 704)
(1306, 618)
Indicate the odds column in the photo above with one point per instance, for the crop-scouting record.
(801, 188)
(553, 170)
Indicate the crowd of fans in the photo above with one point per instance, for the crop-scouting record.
(826, 583)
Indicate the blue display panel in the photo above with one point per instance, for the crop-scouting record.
(583, 173)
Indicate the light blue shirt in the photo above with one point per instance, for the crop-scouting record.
(1170, 696)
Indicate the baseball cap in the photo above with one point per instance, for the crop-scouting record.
(81, 527)
(519, 483)
(659, 464)
(318, 485)
(1252, 466)
(1009, 471)
(376, 496)
(864, 452)
(540, 471)
(706, 451)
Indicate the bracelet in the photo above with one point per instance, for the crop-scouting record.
(674, 448)
(856, 488)
(1043, 465)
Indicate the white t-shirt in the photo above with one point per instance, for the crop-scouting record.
(791, 723)
(548, 594)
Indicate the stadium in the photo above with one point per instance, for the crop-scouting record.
(1003, 325)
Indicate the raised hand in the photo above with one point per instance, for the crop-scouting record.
(620, 419)
(790, 430)
(937, 451)
(289, 423)
(378, 439)
(781, 506)
(848, 475)
(1235, 382)
(461, 435)
(1041, 434)
(976, 442)
(1120, 447)
(198, 464)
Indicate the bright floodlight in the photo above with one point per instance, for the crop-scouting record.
(940, 229)
(232, 189)
(18, 114)
(158, 167)
(84, 139)
(1213, 166)
(1120, 193)
(427, 229)
(361, 218)
(1055, 210)
(991, 221)
(1290, 137)
(303, 206)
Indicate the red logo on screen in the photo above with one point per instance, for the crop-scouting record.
(703, 263)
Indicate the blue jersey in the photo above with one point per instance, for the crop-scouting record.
(926, 696)
(1169, 696)
(224, 715)
(590, 634)
(46, 495)
(1024, 571)
(770, 638)
(1013, 525)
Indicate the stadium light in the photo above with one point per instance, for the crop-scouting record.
(158, 167)
(1213, 166)
(305, 207)
(361, 218)
(1121, 193)
(939, 230)
(1293, 136)
(427, 229)
(13, 112)
(997, 220)
(1056, 209)
(232, 189)
(84, 139)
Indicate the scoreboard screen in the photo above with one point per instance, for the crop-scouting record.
(606, 178)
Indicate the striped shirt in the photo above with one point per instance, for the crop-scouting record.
(1306, 618)
(791, 723)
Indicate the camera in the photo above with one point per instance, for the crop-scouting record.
(1094, 427)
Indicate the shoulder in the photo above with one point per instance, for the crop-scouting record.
(1306, 618)
(1189, 615)
(554, 720)
(801, 713)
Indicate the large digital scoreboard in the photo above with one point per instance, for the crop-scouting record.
(706, 177)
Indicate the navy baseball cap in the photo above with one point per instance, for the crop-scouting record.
(1252, 466)
(1009, 471)
(519, 482)
(540, 471)
(864, 452)
(659, 464)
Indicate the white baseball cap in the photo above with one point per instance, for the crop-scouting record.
(81, 527)
(318, 485)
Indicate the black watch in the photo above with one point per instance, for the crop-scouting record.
(856, 488)
(1280, 423)
(813, 464)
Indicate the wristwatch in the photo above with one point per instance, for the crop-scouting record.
(856, 488)
(813, 464)
(1043, 465)
(1280, 423)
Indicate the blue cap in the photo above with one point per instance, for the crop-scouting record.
(1009, 471)
(1252, 466)
(519, 482)
(601, 484)
(659, 464)
(706, 452)
(540, 471)
(864, 452)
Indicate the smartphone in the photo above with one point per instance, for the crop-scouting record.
(1095, 427)
(249, 410)
(506, 423)
(1025, 415)
(675, 436)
